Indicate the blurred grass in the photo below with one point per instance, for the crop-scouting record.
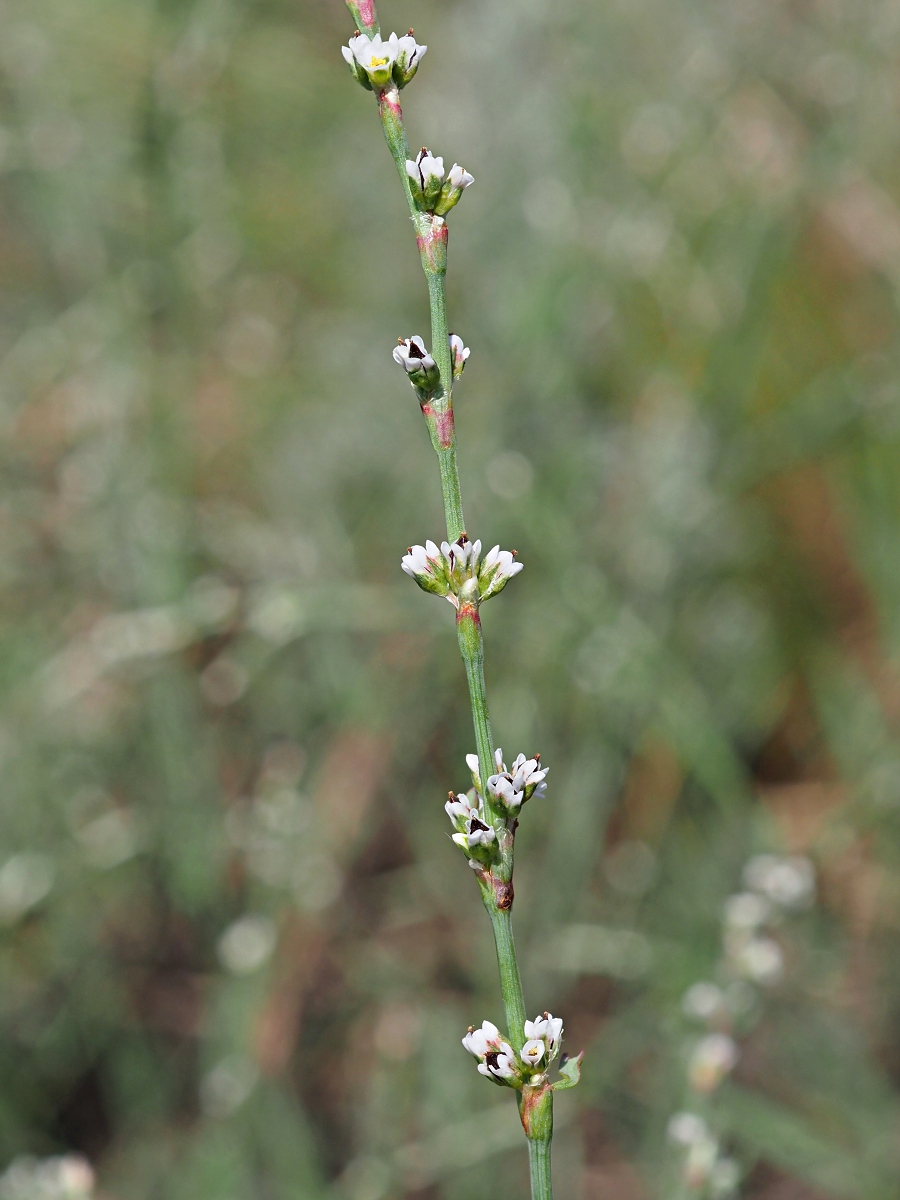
(677, 272)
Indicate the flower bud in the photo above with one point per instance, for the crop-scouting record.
(373, 56)
(495, 572)
(459, 354)
(428, 567)
(469, 579)
(421, 368)
(409, 55)
(455, 184)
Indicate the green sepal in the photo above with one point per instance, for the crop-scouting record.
(401, 76)
(416, 191)
(432, 193)
(448, 199)
(360, 75)
(570, 1070)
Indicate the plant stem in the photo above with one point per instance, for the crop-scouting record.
(539, 1162)
(510, 983)
(496, 885)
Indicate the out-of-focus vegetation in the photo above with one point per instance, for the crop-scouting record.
(237, 950)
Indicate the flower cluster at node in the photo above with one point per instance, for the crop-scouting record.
(498, 1061)
(474, 833)
(375, 63)
(411, 354)
(458, 571)
(432, 190)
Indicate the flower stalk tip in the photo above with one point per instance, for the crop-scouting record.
(527, 1069)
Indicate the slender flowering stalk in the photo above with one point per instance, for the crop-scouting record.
(485, 817)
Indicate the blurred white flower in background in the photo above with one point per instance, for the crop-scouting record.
(247, 944)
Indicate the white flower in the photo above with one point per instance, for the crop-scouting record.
(455, 184)
(467, 815)
(409, 55)
(787, 880)
(428, 567)
(426, 171)
(712, 1059)
(532, 1052)
(703, 1000)
(472, 764)
(479, 1041)
(373, 56)
(459, 568)
(497, 1057)
(458, 178)
(747, 910)
(430, 189)
(498, 568)
(526, 779)
(476, 833)
(459, 354)
(460, 808)
(686, 1129)
(760, 959)
(500, 1065)
(419, 365)
(549, 1030)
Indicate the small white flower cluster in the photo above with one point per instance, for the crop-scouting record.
(376, 64)
(458, 571)
(432, 189)
(64, 1177)
(498, 1061)
(419, 364)
(704, 1166)
(473, 831)
(513, 787)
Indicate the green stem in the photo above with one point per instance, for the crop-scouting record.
(496, 884)
(471, 647)
(510, 982)
(539, 1162)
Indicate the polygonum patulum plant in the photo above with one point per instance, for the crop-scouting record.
(484, 817)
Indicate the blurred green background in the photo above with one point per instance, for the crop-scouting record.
(238, 949)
